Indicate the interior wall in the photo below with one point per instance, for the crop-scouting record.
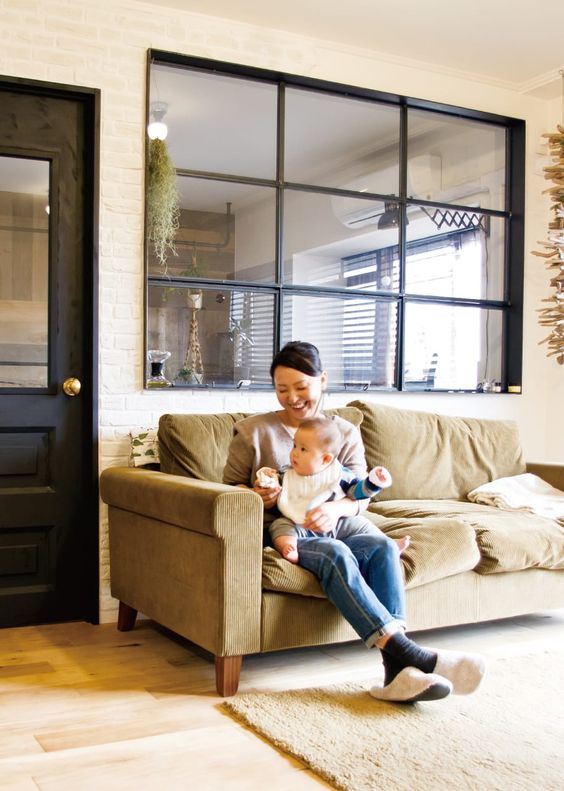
(104, 45)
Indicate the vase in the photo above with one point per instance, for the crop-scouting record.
(194, 300)
(156, 378)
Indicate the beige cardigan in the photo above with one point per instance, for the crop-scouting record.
(264, 441)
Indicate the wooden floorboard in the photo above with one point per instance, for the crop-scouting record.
(87, 707)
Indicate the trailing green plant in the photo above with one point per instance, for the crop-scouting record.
(163, 203)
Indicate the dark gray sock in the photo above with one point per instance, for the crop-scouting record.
(400, 652)
(391, 668)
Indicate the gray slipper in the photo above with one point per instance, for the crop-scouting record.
(465, 671)
(411, 685)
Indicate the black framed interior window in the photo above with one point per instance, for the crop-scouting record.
(385, 229)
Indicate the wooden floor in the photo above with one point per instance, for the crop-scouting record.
(86, 707)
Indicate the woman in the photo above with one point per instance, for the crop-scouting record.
(361, 575)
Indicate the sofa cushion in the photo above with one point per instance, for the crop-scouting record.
(507, 540)
(197, 445)
(350, 413)
(440, 547)
(423, 509)
(515, 541)
(280, 575)
(437, 456)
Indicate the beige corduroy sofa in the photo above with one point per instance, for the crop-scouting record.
(187, 551)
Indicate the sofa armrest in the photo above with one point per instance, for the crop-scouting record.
(551, 473)
(188, 554)
(176, 499)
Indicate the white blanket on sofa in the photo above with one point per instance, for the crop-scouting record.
(526, 492)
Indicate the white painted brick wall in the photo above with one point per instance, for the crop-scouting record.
(103, 45)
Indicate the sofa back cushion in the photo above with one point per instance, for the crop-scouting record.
(437, 457)
(197, 445)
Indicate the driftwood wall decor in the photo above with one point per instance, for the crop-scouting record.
(553, 252)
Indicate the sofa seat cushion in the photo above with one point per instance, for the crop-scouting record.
(280, 575)
(515, 541)
(507, 540)
(439, 548)
(438, 456)
(422, 509)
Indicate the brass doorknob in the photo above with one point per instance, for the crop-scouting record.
(71, 386)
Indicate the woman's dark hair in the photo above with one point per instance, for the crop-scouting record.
(300, 355)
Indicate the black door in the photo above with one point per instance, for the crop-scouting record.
(48, 489)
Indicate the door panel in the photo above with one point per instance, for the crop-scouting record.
(48, 497)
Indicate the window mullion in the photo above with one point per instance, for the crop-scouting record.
(310, 168)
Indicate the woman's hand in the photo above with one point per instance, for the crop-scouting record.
(323, 518)
(268, 495)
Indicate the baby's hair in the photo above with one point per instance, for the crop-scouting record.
(327, 431)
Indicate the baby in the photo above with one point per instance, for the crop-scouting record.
(314, 477)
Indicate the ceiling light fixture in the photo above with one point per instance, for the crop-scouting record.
(157, 129)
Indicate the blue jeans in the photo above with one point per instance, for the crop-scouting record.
(362, 576)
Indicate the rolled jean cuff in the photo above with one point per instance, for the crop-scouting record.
(388, 628)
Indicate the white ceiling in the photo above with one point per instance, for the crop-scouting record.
(518, 44)
(24, 175)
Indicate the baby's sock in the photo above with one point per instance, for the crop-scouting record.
(400, 652)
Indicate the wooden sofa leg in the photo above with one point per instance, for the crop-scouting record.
(126, 617)
(227, 674)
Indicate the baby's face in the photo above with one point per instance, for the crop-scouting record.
(307, 457)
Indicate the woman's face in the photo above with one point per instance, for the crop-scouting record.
(299, 395)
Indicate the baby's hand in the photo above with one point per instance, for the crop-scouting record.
(267, 478)
(380, 476)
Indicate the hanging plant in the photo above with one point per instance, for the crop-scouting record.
(163, 203)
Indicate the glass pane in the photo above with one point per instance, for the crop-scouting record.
(452, 347)
(227, 232)
(24, 271)
(355, 336)
(455, 160)
(216, 337)
(216, 123)
(335, 141)
(454, 254)
(338, 242)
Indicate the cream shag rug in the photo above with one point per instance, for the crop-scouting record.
(507, 736)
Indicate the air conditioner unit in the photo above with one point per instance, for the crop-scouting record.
(423, 181)
(424, 176)
(368, 214)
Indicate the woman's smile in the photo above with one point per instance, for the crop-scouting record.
(302, 409)
(298, 394)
